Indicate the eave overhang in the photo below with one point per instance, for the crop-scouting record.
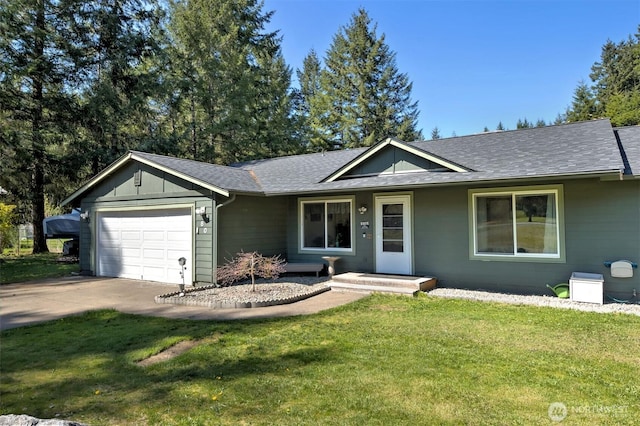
(133, 156)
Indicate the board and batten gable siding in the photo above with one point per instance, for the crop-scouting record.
(156, 189)
(153, 184)
(252, 224)
(393, 160)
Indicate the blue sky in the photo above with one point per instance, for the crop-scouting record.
(472, 63)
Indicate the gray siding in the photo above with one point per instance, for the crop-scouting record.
(393, 160)
(156, 189)
(203, 242)
(362, 259)
(252, 224)
(602, 223)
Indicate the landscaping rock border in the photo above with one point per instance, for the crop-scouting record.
(26, 420)
(240, 296)
(548, 301)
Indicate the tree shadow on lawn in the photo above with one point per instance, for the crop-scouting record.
(87, 364)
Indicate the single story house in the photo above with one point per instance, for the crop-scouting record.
(509, 211)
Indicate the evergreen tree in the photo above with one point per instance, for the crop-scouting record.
(584, 106)
(36, 100)
(523, 124)
(118, 39)
(500, 127)
(435, 133)
(365, 97)
(310, 109)
(72, 74)
(231, 99)
(615, 92)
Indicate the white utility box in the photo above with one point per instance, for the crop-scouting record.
(585, 287)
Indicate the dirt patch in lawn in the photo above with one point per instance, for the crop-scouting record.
(172, 352)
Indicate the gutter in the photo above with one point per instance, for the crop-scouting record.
(604, 175)
(214, 272)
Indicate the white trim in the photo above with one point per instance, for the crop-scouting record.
(133, 156)
(401, 145)
(326, 200)
(97, 213)
(408, 230)
(555, 190)
(188, 178)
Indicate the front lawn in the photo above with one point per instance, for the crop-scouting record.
(384, 360)
(14, 269)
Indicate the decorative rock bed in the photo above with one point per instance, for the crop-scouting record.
(26, 420)
(279, 292)
(548, 301)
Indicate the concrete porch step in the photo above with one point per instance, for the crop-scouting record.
(384, 283)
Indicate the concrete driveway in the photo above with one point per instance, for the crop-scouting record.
(30, 303)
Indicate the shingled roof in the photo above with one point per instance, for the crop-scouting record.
(576, 149)
(629, 141)
(584, 148)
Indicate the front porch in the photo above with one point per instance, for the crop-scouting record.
(363, 282)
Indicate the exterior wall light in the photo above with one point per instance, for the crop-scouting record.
(202, 211)
(85, 216)
(363, 209)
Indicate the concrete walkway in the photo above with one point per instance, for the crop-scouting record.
(30, 303)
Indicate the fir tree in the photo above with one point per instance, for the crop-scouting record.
(231, 100)
(365, 97)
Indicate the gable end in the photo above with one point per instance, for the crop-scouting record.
(393, 157)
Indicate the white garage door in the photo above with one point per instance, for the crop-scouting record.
(145, 244)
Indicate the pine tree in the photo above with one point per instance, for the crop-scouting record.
(435, 133)
(366, 98)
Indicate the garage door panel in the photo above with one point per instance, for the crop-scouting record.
(154, 235)
(130, 252)
(154, 273)
(145, 244)
(130, 235)
(154, 254)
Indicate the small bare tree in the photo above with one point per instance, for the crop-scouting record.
(251, 264)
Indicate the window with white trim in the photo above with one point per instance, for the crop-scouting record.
(517, 223)
(326, 225)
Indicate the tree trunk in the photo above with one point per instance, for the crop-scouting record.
(37, 175)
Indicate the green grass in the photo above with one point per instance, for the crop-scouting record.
(33, 266)
(383, 360)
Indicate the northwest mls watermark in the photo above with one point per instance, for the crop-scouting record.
(558, 411)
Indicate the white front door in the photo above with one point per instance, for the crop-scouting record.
(393, 235)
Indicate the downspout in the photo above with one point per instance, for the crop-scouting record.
(214, 272)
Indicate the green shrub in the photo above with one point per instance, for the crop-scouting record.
(7, 225)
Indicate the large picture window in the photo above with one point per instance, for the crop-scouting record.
(522, 224)
(326, 225)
